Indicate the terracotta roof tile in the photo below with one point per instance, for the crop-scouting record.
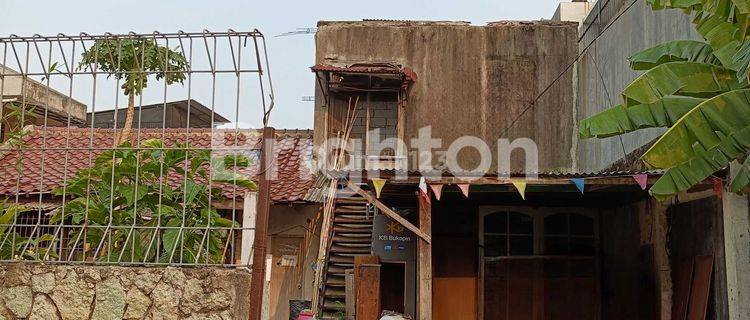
(50, 157)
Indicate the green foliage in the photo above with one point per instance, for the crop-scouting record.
(132, 59)
(679, 50)
(696, 89)
(127, 188)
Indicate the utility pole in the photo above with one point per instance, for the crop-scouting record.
(261, 224)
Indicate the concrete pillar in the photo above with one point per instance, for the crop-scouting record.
(248, 227)
(737, 252)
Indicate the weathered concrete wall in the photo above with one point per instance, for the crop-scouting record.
(287, 229)
(38, 291)
(603, 69)
(15, 86)
(472, 80)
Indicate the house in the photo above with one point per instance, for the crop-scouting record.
(513, 235)
(173, 114)
(42, 104)
(49, 158)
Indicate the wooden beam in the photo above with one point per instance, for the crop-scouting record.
(387, 211)
(424, 304)
(261, 226)
(621, 180)
(367, 283)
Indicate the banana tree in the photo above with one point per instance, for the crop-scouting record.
(698, 90)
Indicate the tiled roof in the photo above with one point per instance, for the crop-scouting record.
(49, 157)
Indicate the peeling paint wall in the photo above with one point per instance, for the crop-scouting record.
(39, 291)
(603, 70)
(472, 80)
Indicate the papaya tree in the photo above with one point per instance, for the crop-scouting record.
(153, 220)
(133, 60)
(698, 91)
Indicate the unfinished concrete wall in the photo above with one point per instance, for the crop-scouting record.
(603, 69)
(35, 92)
(472, 80)
(292, 278)
(38, 291)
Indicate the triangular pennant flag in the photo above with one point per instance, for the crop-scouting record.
(718, 187)
(464, 189)
(642, 180)
(378, 184)
(580, 184)
(437, 189)
(521, 187)
(423, 184)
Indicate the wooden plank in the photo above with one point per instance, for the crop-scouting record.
(683, 281)
(351, 296)
(367, 284)
(387, 211)
(701, 287)
(261, 227)
(424, 303)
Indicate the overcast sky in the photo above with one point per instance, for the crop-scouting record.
(290, 56)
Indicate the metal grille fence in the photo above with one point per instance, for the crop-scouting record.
(73, 191)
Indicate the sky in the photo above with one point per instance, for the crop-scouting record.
(290, 57)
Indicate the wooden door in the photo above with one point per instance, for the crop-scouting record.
(538, 265)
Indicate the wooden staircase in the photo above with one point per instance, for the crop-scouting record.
(351, 235)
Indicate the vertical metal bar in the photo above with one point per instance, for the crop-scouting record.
(261, 225)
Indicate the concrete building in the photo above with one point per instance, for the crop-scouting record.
(42, 104)
(610, 33)
(176, 115)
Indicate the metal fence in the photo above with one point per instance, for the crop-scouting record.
(142, 193)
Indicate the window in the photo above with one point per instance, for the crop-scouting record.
(527, 232)
(569, 234)
(508, 234)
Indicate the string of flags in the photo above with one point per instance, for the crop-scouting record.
(520, 185)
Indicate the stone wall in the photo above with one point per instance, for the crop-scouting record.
(38, 291)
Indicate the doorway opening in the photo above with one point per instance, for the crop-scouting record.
(392, 286)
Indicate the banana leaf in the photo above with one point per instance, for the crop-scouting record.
(619, 119)
(742, 179)
(679, 78)
(674, 4)
(703, 141)
(724, 37)
(679, 50)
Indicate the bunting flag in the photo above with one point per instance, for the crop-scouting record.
(642, 180)
(521, 187)
(718, 187)
(437, 189)
(423, 185)
(378, 184)
(464, 189)
(580, 184)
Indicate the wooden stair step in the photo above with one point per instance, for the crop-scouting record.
(349, 250)
(335, 305)
(363, 230)
(335, 293)
(355, 219)
(352, 240)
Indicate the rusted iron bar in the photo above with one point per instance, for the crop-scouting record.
(261, 225)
